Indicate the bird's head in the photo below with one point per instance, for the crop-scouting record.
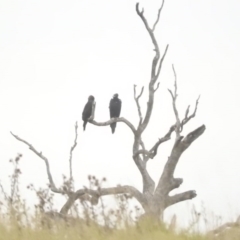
(115, 95)
(91, 98)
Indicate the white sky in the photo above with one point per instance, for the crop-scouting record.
(54, 54)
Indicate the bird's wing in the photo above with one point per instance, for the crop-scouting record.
(87, 111)
(119, 107)
(111, 108)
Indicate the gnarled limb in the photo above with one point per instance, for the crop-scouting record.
(166, 181)
(181, 197)
(82, 193)
(51, 182)
(192, 136)
(107, 123)
(95, 194)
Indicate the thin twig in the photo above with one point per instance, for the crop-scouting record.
(188, 118)
(161, 61)
(154, 41)
(158, 16)
(71, 151)
(52, 184)
(174, 99)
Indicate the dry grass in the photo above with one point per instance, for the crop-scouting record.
(85, 221)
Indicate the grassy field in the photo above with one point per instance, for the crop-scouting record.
(89, 222)
(82, 231)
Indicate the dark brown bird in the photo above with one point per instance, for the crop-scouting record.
(87, 111)
(115, 109)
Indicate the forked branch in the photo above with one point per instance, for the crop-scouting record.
(51, 182)
(167, 182)
(156, 64)
(150, 31)
(181, 197)
(188, 118)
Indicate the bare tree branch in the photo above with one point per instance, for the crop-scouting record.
(103, 124)
(174, 99)
(148, 183)
(153, 151)
(161, 61)
(101, 192)
(167, 182)
(181, 197)
(188, 118)
(136, 98)
(167, 137)
(71, 151)
(155, 61)
(191, 137)
(52, 184)
(157, 56)
(157, 87)
(158, 16)
(145, 157)
(221, 229)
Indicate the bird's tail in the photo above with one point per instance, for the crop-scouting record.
(84, 125)
(113, 126)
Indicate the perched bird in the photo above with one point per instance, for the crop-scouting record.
(87, 111)
(115, 109)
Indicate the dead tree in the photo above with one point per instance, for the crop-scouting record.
(154, 197)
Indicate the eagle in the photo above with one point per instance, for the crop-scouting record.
(115, 109)
(87, 111)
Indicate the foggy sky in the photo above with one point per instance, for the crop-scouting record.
(54, 54)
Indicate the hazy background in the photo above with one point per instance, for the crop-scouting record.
(55, 53)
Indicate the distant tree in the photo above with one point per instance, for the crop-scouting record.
(154, 197)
